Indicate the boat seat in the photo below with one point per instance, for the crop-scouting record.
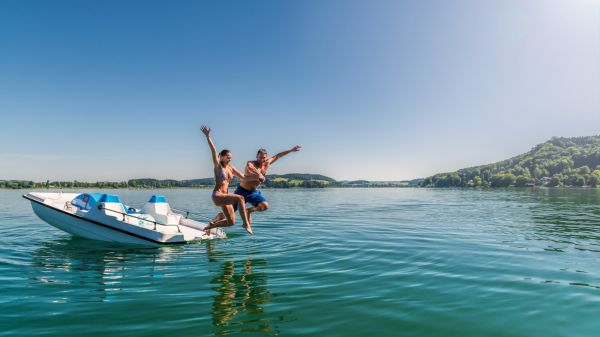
(114, 209)
(159, 208)
(113, 206)
(85, 201)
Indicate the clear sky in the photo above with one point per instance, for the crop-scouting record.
(378, 90)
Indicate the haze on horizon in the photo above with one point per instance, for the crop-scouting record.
(378, 90)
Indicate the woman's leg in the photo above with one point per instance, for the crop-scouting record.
(220, 216)
(230, 199)
(229, 219)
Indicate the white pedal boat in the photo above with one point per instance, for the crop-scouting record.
(104, 217)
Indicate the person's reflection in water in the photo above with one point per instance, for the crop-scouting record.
(239, 305)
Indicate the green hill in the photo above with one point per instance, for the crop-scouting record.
(556, 162)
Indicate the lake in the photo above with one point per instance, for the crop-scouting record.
(323, 262)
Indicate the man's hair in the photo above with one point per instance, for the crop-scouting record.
(261, 151)
(224, 152)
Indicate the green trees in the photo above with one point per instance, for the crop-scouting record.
(584, 170)
(503, 180)
(274, 181)
(594, 180)
(555, 181)
(523, 181)
(561, 165)
(446, 180)
(17, 184)
(556, 162)
(576, 180)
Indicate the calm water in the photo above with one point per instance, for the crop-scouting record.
(333, 262)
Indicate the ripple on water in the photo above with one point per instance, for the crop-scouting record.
(334, 262)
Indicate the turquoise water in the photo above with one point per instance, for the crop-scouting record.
(331, 262)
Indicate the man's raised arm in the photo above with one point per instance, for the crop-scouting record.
(283, 153)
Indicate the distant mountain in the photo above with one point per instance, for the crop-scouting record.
(556, 162)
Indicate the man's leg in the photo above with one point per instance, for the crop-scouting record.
(261, 207)
(258, 201)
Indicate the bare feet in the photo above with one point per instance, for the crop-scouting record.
(219, 216)
(248, 229)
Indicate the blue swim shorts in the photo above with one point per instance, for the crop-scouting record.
(253, 197)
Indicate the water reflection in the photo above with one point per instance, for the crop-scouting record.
(241, 296)
(567, 216)
(91, 270)
(75, 270)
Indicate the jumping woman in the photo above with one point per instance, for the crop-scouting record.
(221, 197)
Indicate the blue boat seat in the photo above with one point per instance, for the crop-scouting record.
(159, 208)
(85, 201)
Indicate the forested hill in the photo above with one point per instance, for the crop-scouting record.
(557, 162)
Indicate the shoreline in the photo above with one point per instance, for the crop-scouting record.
(197, 188)
(303, 188)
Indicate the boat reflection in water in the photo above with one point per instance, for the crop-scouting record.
(83, 270)
(75, 270)
(241, 295)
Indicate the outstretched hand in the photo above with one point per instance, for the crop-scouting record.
(296, 148)
(205, 130)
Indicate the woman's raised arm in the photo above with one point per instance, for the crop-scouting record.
(206, 131)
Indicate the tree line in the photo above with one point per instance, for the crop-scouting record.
(292, 180)
(273, 181)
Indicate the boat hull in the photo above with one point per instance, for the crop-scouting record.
(85, 228)
(77, 215)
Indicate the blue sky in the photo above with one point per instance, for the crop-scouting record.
(379, 90)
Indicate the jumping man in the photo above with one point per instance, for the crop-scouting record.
(254, 176)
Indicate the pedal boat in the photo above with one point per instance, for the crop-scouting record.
(104, 217)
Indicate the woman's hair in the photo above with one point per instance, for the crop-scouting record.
(221, 154)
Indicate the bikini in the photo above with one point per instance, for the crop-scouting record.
(223, 176)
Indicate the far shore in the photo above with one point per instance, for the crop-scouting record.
(58, 188)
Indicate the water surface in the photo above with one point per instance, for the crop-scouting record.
(330, 262)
